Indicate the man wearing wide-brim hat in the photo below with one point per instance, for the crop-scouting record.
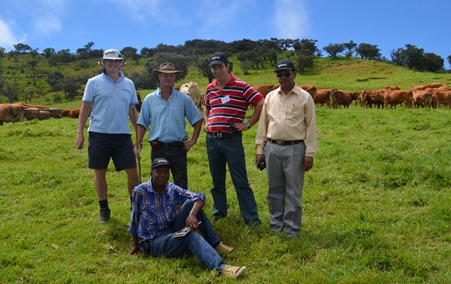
(166, 68)
(165, 111)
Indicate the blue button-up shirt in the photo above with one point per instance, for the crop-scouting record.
(153, 213)
(168, 117)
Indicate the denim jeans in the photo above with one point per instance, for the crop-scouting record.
(230, 151)
(202, 246)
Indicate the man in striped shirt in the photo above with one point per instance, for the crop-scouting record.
(226, 101)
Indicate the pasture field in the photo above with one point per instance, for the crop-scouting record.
(376, 208)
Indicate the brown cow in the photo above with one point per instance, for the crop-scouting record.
(310, 88)
(422, 98)
(375, 97)
(338, 97)
(12, 112)
(394, 97)
(140, 102)
(322, 96)
(265, 89)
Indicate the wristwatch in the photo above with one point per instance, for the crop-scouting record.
(248, 125)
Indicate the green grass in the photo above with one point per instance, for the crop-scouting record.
(376, 208)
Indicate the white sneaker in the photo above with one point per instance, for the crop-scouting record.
(233, 271)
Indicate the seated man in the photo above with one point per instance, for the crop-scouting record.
(154, 220)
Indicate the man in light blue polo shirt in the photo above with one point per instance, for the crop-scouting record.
(164, 111)
(109, 99)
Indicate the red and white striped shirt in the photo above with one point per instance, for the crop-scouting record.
(229, 104)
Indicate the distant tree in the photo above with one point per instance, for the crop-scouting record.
(243, 45)
(55, 80)
(198, 47)
(47, 52)
(82, 53)
(89, 46)
(333, 49)
(449, 59)
(306, 46)
(432, 62)
(204, 69)
(131, 53)
(368, 51)
(143, 80)
(70, 87)
(33, 63)
(146, 52)
(350, 46)
(2, 52)
(11, 91)
(22, 48)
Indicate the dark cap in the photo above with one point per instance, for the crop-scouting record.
(218, 58)
(159, 162)
(284, 64)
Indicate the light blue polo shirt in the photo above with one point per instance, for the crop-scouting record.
(111, 102)
(168, 117)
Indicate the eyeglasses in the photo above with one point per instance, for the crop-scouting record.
(285, 74)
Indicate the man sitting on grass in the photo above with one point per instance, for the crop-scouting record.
(155, 222)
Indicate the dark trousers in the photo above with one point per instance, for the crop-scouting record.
(176, 155)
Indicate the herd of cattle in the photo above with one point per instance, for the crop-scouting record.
(430, 96)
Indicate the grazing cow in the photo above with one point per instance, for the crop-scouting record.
(338, 97)
(193, 91)
(394, 97)
(74, 113)
(375, 97)
(422, 98)
(265, 89)
(12, 112)
(310, 88)
(322, 96)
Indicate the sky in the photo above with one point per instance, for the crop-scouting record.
(71, 24)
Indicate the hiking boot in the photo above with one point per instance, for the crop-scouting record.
(223, 248)
(233, 271)
(104, 215)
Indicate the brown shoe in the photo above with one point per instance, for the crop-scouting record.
(233, 271)
(223, 248)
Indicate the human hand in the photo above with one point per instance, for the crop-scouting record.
(308, 163)
(258, 159)
(134, 250)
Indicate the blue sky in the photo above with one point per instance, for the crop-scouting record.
(71, 24)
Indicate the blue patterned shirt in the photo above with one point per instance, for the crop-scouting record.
(153, 213)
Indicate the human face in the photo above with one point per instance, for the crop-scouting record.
(112, 66)
(286, 77)
(166, 79)
(220, 71)
(160, 176)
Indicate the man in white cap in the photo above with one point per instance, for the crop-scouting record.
(109, 99)
(165, 112)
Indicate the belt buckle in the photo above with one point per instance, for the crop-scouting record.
(280, 143)
(219, 135)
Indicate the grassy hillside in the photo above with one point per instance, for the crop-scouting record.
(348, 75)
(376, 208)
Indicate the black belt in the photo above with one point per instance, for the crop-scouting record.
(158, 144)
(221, 135)
(284, 143)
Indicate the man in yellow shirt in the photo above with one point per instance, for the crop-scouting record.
(286, 141)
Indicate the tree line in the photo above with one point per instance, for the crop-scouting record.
(252, 55)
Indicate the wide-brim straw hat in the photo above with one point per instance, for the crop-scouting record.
(168, 68)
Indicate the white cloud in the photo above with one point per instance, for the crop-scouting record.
(291, 18)
(47, 16)
(141, 9)
(7, 38)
